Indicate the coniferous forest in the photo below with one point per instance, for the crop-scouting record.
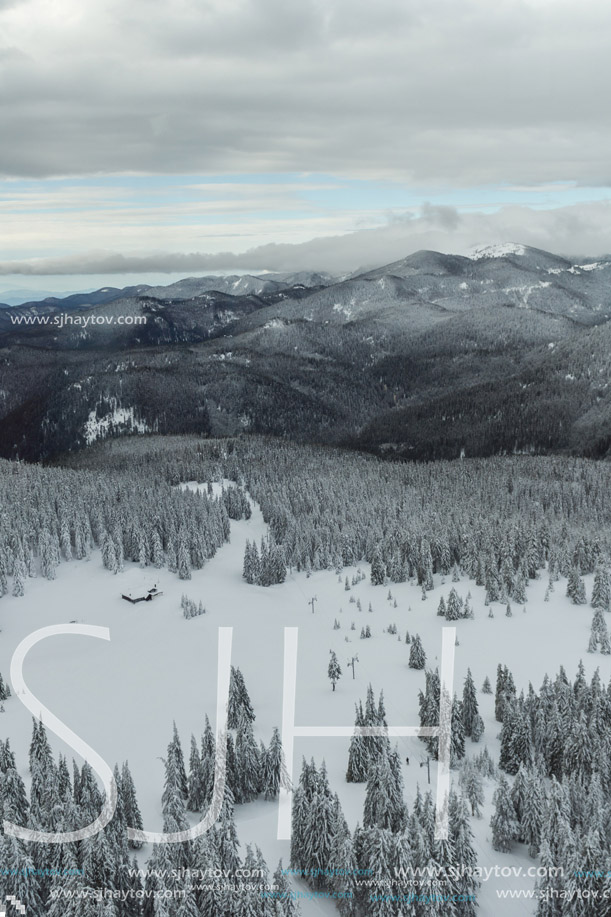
(406, 547)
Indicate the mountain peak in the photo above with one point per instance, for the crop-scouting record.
(497, 250)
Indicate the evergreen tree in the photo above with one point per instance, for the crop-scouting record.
(472, 785)
(378, 570)
(317, 815)
(429, 709)
(19, 875)
(274, 774)
(463, 854)
(197, 789)
(248, 764)
(334, 671)
(119, 550)
(556, 828)
(417, 656)
(593, 641)
(575, 588)
(454, 607)
(5, 691)
(225, 835)
(578, 751)
(470, 709)
(183, 557)
(344, 860)
(131, 808)
(157, 550)
(358, 757)
(384, 805)
(532, 812)
(504, 823)
(477, 729)
(457, 741)
(187, 906)
(252, 568)
(173, 805)
(518, 592)
(375, 854)
(284, 904)
(232, 770)
(239, 700)
(518, 795)
(175, 750)
(601, 592)
(207, 762)
(505, 691)
(18, 577)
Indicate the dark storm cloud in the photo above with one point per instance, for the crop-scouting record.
(443, 217)
(433, 90)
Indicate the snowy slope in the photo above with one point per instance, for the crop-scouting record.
(122, 696)
(500, 250)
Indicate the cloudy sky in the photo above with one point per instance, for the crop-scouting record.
(146, 140)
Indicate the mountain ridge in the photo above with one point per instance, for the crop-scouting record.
(430, 356)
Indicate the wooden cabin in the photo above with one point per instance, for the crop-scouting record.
(148, 596)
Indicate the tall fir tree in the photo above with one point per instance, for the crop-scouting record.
(334, 670)
(417, 656)
(504, 823)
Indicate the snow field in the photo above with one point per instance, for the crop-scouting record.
(121, 697)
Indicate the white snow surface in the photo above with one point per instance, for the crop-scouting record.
(499, 250)
(99, 427)
(577, 268)
(122, 696)
(274, 323)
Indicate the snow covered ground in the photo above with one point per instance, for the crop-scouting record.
(121, 697)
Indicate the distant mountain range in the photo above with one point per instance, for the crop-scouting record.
(432, 356)
(188, 288)
(17, 297)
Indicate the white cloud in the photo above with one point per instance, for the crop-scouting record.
(583, 229)
(430, 94)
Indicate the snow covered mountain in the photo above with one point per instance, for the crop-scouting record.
(427, 356)
(242, 285)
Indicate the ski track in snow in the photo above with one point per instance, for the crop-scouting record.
(122, 696)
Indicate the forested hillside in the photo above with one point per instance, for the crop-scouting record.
(428, 357)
